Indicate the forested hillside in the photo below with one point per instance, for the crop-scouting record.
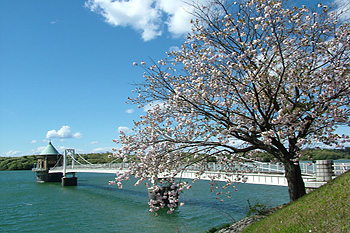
(17, 163)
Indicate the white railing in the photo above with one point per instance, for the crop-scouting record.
(256, 167)
(339, 168)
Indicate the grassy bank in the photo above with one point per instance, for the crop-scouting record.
(327, 209)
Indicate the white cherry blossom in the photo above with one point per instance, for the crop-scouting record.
(270, 75)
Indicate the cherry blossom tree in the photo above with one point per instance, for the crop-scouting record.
(253, 76)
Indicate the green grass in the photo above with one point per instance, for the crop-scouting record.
(326, 209)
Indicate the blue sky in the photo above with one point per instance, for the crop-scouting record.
(66, 68)
(63, 65)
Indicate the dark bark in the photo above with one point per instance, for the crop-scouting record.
(296, 186)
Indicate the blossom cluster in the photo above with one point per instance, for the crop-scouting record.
(271, 76)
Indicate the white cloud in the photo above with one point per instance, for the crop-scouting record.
(60, 149)
(13, 153)
(151, 17)
(124, 129)
(179, 15)
(34, 141)
(138, 14)
(38, 150)
(174, 48)
(102, 150)
(54, 21)
(130, 110)
(152, 104)
(63, 133)
(147, 16)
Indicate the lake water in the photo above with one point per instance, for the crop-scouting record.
(94, 206)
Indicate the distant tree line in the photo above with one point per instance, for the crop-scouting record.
(313, 154)
(27, 162)
(17, 163)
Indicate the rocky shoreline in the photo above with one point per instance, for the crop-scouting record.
(245, 222)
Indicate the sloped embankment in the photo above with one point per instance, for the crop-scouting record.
(326, 209)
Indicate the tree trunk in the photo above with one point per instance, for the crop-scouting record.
(296, 186)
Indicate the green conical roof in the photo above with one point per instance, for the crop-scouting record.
(50, 150)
